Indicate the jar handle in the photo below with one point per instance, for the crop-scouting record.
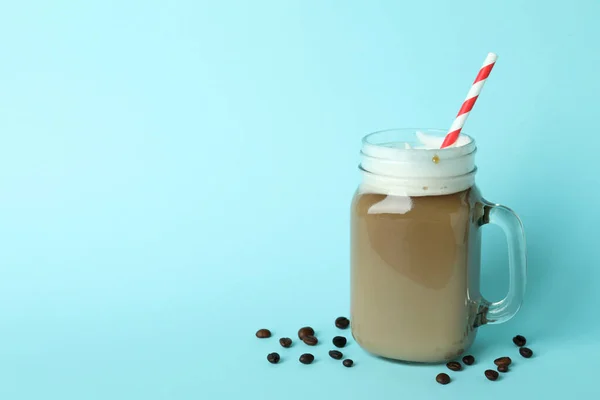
(503, 310)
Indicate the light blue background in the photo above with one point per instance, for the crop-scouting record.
(175, 175)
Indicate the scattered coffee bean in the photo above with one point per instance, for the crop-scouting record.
(348, 363)
(273, 358)
(503, 368)
(306, 331)
(339, 341)
(520, 340)
(307, 358)
(491, 374)
(502, 361)
(336, 354)
(263, 333)
(285, 342)
(310, 340)
(442, 379)
(454, 366)
(526, 352)
(469, 360)
(342, 322)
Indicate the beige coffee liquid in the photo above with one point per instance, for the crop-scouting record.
(415, 274)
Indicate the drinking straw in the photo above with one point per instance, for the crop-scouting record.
(469, 102)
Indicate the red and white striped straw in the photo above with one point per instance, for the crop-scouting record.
(468, 104)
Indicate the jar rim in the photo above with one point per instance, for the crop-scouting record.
(379, 144)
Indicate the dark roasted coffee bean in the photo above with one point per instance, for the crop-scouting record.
(526, 352)
(348, 363)
(285, 341)
(263, 333)
(339, 341)
(503, 368)
(469, 360)
(273, 358)
(336, 354)
(306, 331)
(342, 322)
(442, 379)
(454, 366)
(491, 374)
(310, 340)
(520, 340)
(307, 358)
(503, 360)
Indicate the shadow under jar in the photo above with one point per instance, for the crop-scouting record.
(416, 223)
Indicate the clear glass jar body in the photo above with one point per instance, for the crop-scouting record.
(416, 222)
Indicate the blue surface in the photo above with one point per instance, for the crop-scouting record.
(175, 175)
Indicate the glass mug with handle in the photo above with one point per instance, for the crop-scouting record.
(416, 222)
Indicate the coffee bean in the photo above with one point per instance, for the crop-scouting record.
(491, 374)
(342, 322)
(273, 358)
(503, 361)
(503, 368)
(454, 366)
(469, 360)
(263, 333)
(306, 331)
(520, 340)
(310, 340)
(339, 341)
(442, 379)
(526, 352)
(307, 358)
(336, 354)
(348, 363)
(285, 342)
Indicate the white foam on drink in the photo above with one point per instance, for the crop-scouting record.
(435, 142)
(418, 169)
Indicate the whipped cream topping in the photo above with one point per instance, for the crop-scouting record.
(416, 166)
